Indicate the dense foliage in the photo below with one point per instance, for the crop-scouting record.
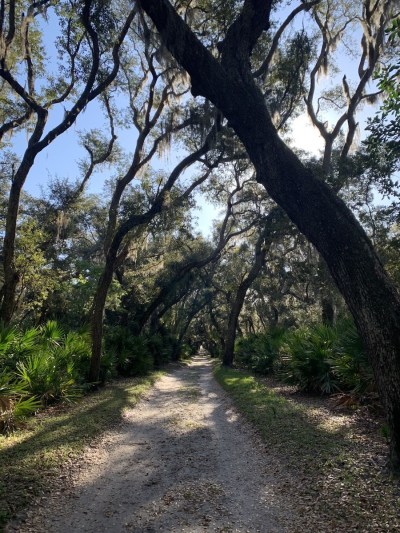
(319, 359)
(106, 271)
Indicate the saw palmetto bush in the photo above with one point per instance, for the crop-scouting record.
(319, 358)
(15, 402)
(39, 366)
(49, 376)
(260, 352)
(130, 353)
(327, 359)
(307, 359)
(351, 365)
(162, 346)
(58, 367)
(16, 345)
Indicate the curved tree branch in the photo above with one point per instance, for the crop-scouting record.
(263, 69)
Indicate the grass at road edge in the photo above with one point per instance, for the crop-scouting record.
(283, 425)
(334, 468)
(31, 459)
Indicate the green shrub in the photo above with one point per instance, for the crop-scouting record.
(7, 338)
(51, 333)
(259, 352)
(162, 346)
(186, 351)
(49, 375)
(76, 351)
(326, 359)
(319, 359)
(108, 367)
(17, 345)
(351, 365)
(46, 363)
(131, 353)
(307, 362)
(57, 365)
(15, 404)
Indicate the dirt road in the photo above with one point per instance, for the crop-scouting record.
(181, 461)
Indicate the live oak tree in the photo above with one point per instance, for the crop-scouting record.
(283, 296)
(227, 81)
(257, 225)
(153, 89)
(339, 25)
(74, 228)
(264, 238)
(177, 276)
(383, 143)
(88, 46)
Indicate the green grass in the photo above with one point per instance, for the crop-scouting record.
(30, 459)
(335, 470)
(283, 425)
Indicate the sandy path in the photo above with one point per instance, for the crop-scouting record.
(181, 461)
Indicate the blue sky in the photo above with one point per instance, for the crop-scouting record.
(61, 157)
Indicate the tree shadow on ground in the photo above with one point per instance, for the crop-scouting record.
(338, 471)
(30, 460)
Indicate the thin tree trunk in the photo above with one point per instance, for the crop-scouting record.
(326, 296)
(182, 333)
(11, 276)
(262, 246)
(230, 338)
(260, 254)
(99, 302)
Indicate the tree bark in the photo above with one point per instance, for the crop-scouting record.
(326, 294)
(319, 214)
(99, 302)
(229, 348)
(327, 311)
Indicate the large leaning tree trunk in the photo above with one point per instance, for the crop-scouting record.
(331, 30)
(317, 211)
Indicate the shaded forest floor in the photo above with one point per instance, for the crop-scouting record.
(337, 456)
(185, 459)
